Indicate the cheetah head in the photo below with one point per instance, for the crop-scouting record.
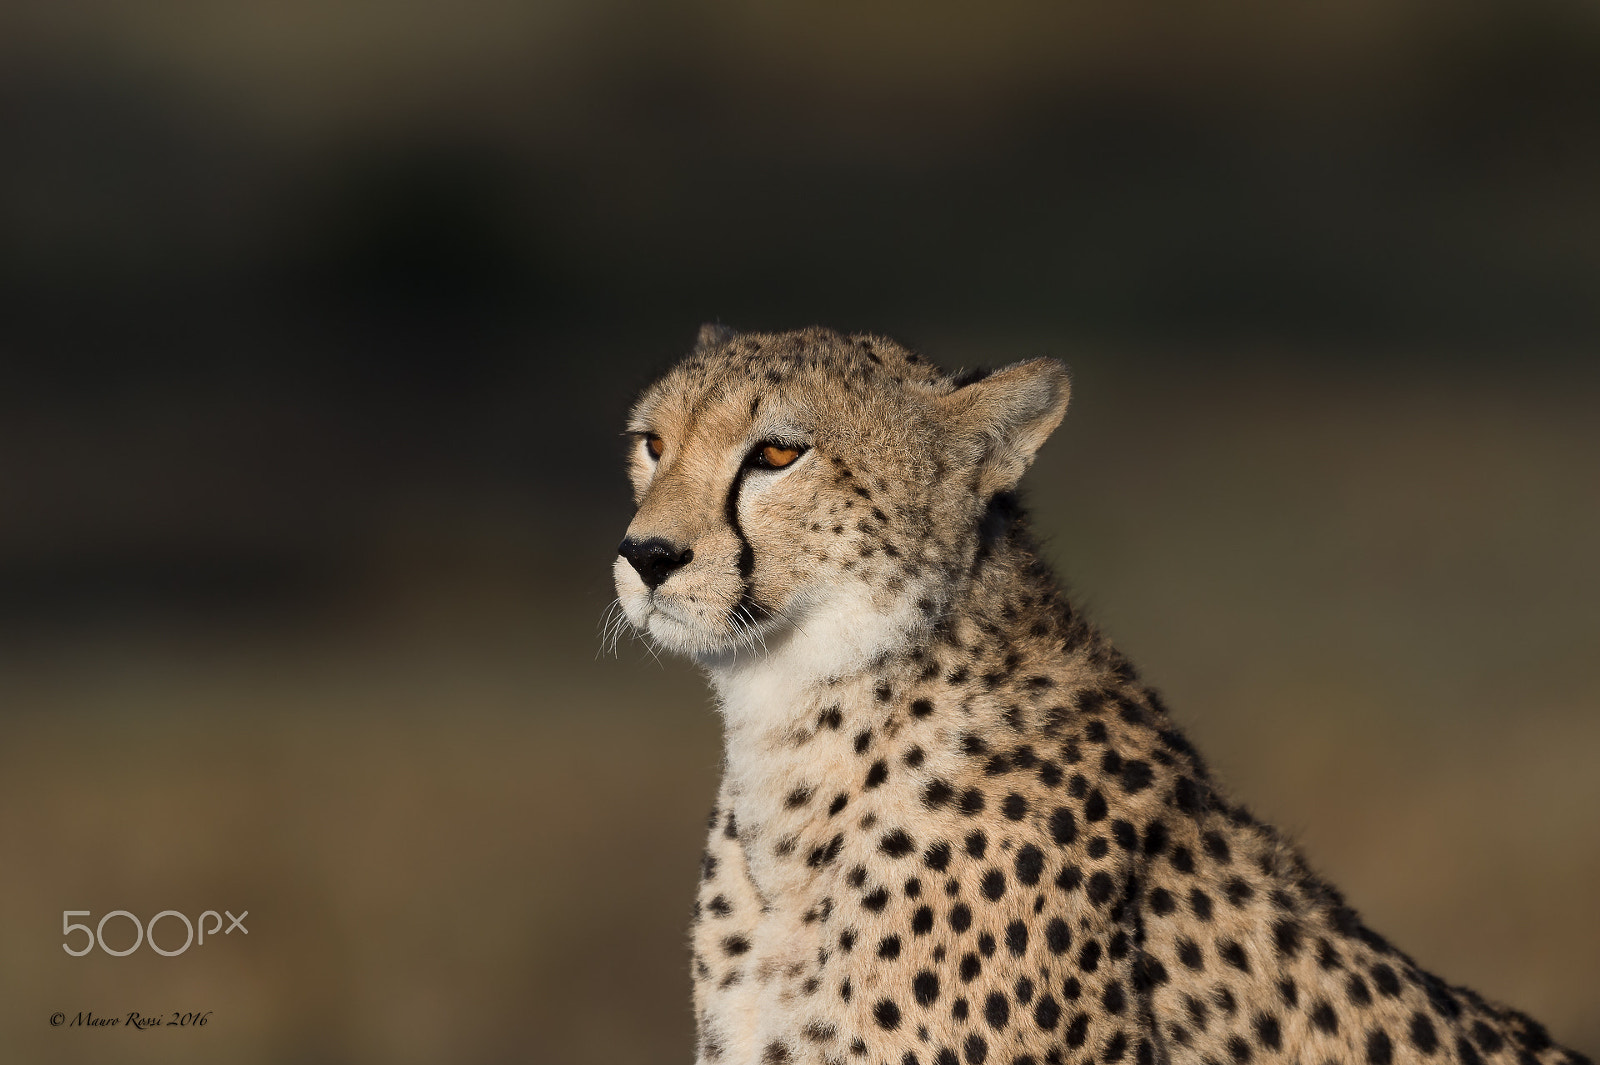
(815, 493)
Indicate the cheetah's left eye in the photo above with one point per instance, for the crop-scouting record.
(772, 456)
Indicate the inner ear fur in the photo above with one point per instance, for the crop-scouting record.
(1000, 421)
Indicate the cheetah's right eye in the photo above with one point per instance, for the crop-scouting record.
(654, 444)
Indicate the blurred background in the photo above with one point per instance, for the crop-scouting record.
(318, 322)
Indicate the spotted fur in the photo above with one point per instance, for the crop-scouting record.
(954, 827)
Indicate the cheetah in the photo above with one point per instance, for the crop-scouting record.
(954, 828)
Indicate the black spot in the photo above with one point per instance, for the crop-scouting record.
(997, 1010)
(1057, 936)
(734, 946)
(1017, 938)
(975, 1049)
(1095, 808)
(1232, 953)
(1136, 775)
(926, 988)
(889, 948)
(1049, 774)
(977, 844)
(1046, 1014)
(1077, 1031)
(1217, 847)
(1115, 1047)
(1182, 860)
(1069, 878)
(1063, 827)
(1100, 888)
(1423, 1037)
(1268, 1034)
(1290, 992)
(1380, 1051)
(1189, 797)
(830, 718)
(1200, 903)
(1239, 891)
(863, 740)
(876, 901)
(838, 803)
(972, 802)
(1467, 1052)
(1386, 980)
(1323, 1017)
(823, 855)
(775, 1054)
(913, 757)
(797, 798)
(1286, 936)
(994, 885)
(1239, 1050)
(1125, 834)
(1098, 847)
(1189, 954)
(960, 917)
(1089, 956)
(847, 940)
(1161, 902)
(896, 844)
(937, 857)
(1148, 972)
(921, 708)
(887, 1014)
(1486, 1038)
(1029, 865)
(1113, 998)
(936, 794)
(922, 921)
(1015, 807)
(969, 968)
(986, 945)
(1356, 989)
(877, 774)
(1155, 837)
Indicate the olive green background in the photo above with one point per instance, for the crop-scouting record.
(318, 322)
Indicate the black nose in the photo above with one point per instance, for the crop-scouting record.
(654, 559)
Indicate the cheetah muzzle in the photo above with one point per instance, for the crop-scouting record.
(953, 825)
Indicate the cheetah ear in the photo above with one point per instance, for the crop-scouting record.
(713, 334)
(1000, 420)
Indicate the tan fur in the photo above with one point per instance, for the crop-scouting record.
(953, 826)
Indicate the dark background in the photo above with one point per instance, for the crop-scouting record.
(317, 326)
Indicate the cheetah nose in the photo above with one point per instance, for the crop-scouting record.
(654, 559)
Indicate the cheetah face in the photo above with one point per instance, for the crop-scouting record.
(806, 487)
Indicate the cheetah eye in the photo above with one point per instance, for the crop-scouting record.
(654, 445)
(774, 456)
